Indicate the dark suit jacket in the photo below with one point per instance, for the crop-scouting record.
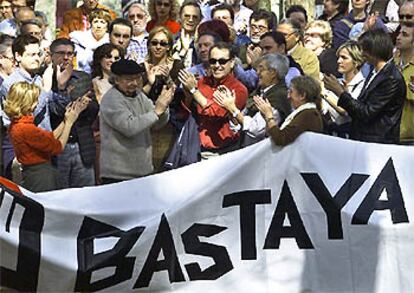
(277, 96)
(376, 114)
(81, 131)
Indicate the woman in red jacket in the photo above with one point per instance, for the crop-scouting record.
(32, 145)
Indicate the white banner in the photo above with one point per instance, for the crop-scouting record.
(321, 215)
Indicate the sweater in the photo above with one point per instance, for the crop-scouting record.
(125, 124)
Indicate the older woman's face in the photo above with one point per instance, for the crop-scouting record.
(109, 59)
(313, 39)
(295, 98)
(345, 62)
(159, 45)
(6, 10)
(162, 8)
(99, 27)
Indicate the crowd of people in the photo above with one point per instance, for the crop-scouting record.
(115, 98)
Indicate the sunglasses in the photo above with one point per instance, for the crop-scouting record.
(220, 61)
(406, 16)
(109, 56)
(162, 43)
(165, 4)
(138, 16)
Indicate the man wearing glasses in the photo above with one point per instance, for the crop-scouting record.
(137, 49)
(75, 164)
(215, 133)
(307, 60)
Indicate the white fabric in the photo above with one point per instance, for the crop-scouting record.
(292, 115)
(354, 88)
(85, 45)
(375, 256)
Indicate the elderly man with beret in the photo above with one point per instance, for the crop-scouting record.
(126, 117)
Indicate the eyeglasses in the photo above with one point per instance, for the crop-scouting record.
(221, 61)
(287, 35)
(162, 43)
(63, 53)
(406, 16)
(165, 4)
(139, 16)
(110, 56)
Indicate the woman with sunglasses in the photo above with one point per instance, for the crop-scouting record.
(103, 58)
(216, 135)
(162, 69)
(164, 13)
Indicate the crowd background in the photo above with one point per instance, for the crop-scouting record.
(110, 95)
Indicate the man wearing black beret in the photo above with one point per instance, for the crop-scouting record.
(127, 116)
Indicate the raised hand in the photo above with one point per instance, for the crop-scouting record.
(264, 107)
(48, 78)
(164, 99)
(187, 79)
(225, 98)
(253, 54)
(63, 75)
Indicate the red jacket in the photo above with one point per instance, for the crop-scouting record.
(214, 127)
(32, 145)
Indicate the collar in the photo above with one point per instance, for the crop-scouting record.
(293, 49)
(141, 37)
(292, 115)
(26, 75)
(265, 90)
(213, 83)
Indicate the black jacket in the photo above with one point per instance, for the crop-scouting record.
(376, 114)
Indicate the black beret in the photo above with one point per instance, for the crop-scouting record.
(126, 67)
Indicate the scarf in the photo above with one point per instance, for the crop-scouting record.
(292, 115)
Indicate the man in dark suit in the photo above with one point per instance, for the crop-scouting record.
(76, 163)
(376, 113)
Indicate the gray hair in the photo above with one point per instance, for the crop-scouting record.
(278, 63)
(3, 48)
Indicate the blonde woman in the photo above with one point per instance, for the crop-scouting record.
(32, 145)
(350, 61)
(164, 13)
(318, 38)
(162, 69)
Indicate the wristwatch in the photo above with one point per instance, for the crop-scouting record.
(235, 113)
(193, 90)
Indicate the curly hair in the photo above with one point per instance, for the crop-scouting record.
(21, 99)
(100, 13)
(327, 35)
(174, 9)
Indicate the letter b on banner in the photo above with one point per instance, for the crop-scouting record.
(116, 257)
